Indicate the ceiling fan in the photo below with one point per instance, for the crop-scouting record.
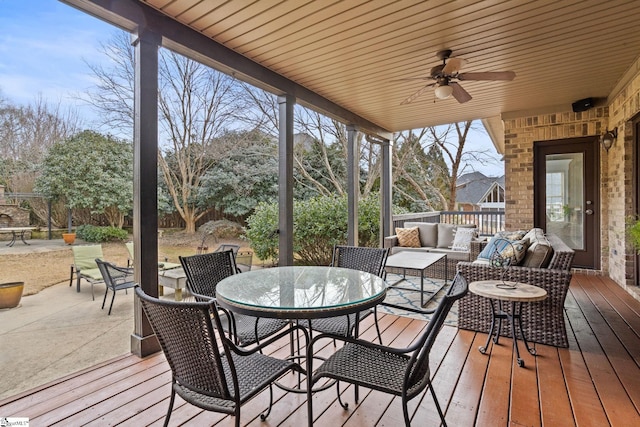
(445, 75)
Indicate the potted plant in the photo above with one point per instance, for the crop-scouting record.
(69, 238)
(633, 232)
(10, 294)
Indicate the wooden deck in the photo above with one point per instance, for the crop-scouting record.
(595, 382)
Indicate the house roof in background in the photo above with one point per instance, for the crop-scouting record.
(473, 187)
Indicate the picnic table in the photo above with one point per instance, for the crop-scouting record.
(14, 233)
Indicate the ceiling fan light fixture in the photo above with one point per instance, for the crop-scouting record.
(443, 91)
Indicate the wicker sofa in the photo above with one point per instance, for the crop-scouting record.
(543, 322)
(438, 238)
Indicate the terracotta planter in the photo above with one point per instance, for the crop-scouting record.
(10, 294)
(69, 238)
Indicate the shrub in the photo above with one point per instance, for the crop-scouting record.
(319, 224)
(91, 233)
(261, 227)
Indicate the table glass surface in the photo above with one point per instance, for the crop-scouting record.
(301, 291)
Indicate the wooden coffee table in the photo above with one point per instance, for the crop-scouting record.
(417, 261)
(515, 293)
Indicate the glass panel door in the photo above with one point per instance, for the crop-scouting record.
(566, 194)
(565, 197)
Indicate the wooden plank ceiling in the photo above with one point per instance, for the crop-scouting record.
(356, 52)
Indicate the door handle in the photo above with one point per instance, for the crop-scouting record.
(589, 211)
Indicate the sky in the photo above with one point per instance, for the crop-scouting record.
(44, 48)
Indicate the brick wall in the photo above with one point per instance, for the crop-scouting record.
(619, 176)
(617, 187)
(520, 134)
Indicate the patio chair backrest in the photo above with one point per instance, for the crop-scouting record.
(113, 275)
(419, 365)
(84, 256)
(371, 260)
(205, 271)
(186, 335)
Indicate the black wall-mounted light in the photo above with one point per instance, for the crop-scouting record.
(608, 138)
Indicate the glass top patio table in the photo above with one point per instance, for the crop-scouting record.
(300, 292)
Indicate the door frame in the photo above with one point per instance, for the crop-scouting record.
(635, 124)
(589, 145)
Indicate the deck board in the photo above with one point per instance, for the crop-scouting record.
(594, 382)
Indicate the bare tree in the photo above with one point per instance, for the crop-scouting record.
(429, 161)
(196, 104)
(26, 134)
(320, 151)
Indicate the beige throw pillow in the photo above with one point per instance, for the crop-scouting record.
(408, 237)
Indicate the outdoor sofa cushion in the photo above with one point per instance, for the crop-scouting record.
(408, 237)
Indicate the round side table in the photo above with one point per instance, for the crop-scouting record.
(515, 293)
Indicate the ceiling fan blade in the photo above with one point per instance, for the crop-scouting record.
(488, 75)
(411, 79)
(453, 65)
(416, 94)
(459, 93)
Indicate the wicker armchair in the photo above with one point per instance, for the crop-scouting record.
(115, 278)
(402, 372)
(371, 260)
(543, 321)
(203, 273)
(201, 374)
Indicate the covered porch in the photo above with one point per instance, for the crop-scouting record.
(352, 68)
(594, 382)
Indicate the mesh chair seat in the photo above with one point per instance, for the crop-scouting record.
(368, 367)
(253, 371)
(399, 371)
(244, 328)
(371, 260)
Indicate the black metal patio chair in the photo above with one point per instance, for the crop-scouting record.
(371, 260)
(201, 374)
(115, 278)
(204, 272)
(402, 372)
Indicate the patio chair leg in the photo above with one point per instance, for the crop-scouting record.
(105, 297)
(173, 397)
(375, 322)
(435, 399)
(264, 416)
(71, 277)
(111, 306)
(345, 405)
